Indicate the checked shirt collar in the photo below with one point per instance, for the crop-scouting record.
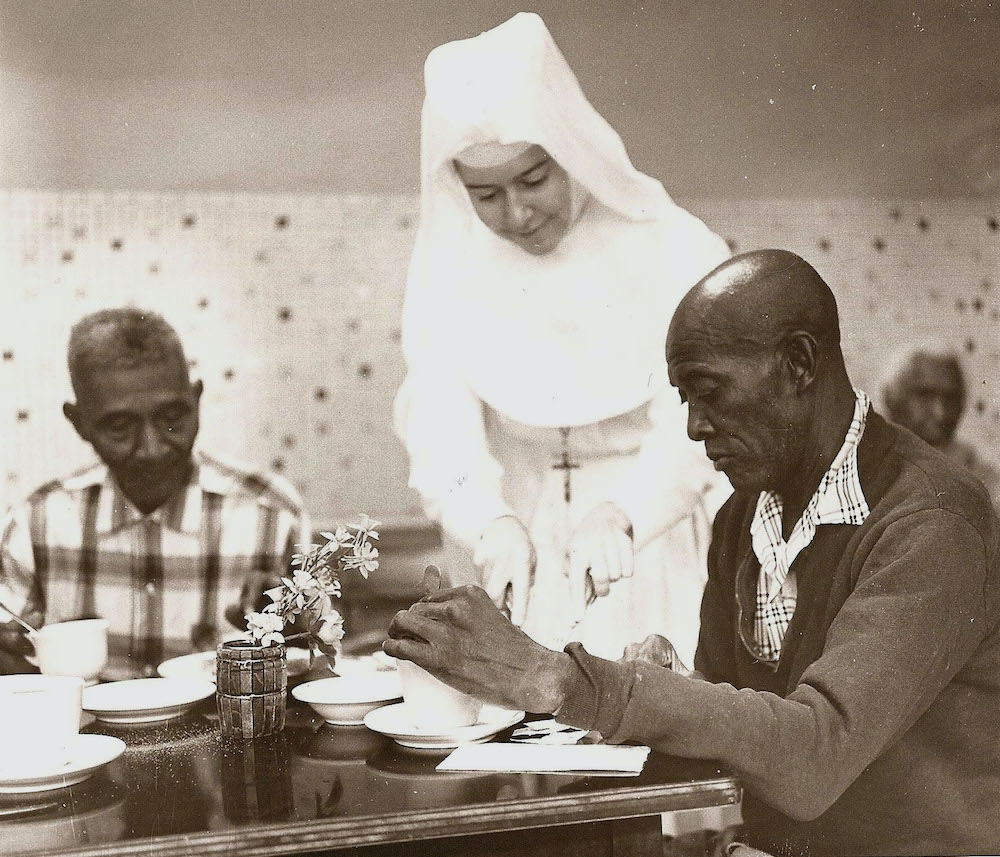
(838, 500)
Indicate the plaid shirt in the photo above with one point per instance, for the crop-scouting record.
(78, 548)
(838, 500)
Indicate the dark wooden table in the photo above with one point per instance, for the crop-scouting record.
(315, 789)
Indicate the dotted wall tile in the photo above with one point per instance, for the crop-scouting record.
(902, 271)
(289, 307)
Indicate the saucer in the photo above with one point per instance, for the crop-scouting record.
(145, 700)
(202, 665)
(88, 754)
(395, 722)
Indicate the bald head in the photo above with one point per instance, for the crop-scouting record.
(757, 299)
(754, 349)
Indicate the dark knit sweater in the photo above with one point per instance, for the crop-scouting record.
(879, 730)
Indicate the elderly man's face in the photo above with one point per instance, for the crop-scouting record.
(931, 399)
(142, 421)
(737, 405)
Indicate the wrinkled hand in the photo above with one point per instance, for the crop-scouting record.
(600, 550)
(460, 636)
(658, 651)
(506, 557)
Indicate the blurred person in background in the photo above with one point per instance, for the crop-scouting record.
(168, 543)
(541, 432)
(925, 391)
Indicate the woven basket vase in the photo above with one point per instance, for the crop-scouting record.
(250, 684)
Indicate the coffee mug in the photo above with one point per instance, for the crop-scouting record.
(39, 722)
(76, 648)
(433, 705)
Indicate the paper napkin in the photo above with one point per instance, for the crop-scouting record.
(593, 759)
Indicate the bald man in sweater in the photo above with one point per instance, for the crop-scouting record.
(848, 667)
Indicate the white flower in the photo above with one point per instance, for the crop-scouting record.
(331, 628)
(265, 628)
(369, 525)
(367, 559)
(303, 580)
(305, 598)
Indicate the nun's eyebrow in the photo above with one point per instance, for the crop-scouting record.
(542, 160)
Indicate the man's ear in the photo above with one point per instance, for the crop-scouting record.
(197, 388)
(800, 358)
(72, 412)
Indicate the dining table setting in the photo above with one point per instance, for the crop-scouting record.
(371, 757)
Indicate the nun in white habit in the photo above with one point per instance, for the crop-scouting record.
(541, 431)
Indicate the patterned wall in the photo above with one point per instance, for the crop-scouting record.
(289, 308)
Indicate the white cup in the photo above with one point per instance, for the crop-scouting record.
(77, 648)
(432, 704)
(39, 721)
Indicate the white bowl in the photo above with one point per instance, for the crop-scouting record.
(345, 700)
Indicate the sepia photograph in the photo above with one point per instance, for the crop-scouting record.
(489, 428)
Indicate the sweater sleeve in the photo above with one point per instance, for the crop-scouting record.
(924, 579)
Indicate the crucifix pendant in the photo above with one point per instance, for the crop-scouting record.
(565, 465)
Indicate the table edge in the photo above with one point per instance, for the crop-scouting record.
(297, 837)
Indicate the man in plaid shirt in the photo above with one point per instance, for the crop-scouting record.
(169, 544)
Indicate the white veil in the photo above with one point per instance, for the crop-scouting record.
(573, 336)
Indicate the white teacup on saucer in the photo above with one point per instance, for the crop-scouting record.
(432, 704)
(39, 722)
(75, 648)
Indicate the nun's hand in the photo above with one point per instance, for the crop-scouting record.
(601, 550)
(506, 558)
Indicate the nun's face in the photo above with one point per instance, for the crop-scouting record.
(525, 200)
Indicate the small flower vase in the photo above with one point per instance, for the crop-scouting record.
(250, 684)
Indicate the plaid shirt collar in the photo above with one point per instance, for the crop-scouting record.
(182, 513)
(838, 499)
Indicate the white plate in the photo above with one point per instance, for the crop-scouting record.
(89, 753)
(202, 665)
(394, 721)
(145, 700)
